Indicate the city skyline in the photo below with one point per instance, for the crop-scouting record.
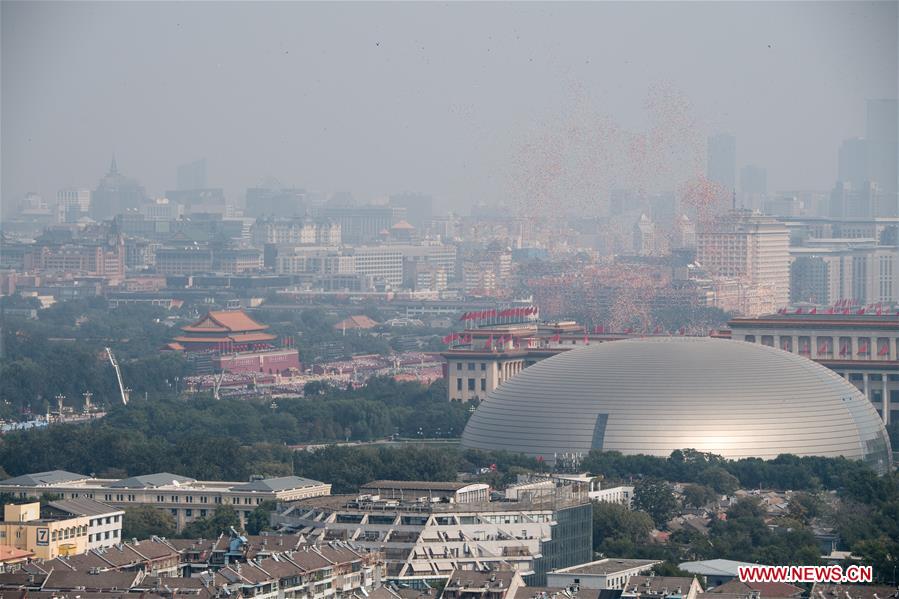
(379, 99)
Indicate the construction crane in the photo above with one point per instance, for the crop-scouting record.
(125, 391)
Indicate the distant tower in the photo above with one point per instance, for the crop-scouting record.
(722, 160)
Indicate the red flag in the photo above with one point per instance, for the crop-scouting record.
(813, 311)
(845, 310)
(863, 349)
(799, 310)
(884, 350)
(829, 311)
(450, 338)
(556, 338)
(861, 311)
(844, 349)
(657, 330)
(490, 342)
(682, 331)
(599, 329)
(879, 310)
(782, 311)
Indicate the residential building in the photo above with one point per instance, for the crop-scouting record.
(607, 573)
(104, 528)
(450, 492)
(27, 527)
(187, 499)
(425, 541)
(662, 587)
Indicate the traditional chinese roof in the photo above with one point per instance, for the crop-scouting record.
(230, 321)
(241, 338)
(356, 322)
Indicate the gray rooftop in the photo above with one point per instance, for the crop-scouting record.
(43, 479)
(605, 567)
(713, 567)
(83, 506)
(152, 481)
(282, 483)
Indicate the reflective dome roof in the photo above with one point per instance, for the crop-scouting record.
(652, 396)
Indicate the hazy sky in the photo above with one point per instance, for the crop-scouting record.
(377, 98)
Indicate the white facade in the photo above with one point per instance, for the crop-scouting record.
(750, 247)
(609, 573)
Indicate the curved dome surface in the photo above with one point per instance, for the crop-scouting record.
(652, 396)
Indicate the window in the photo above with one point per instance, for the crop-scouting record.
(483, 384)
(189, 499)
(471, 365)
(749, 338)
(202, 513)
(458, 384)
(188, 512)
(483, 366)
(471, 384)
(458, 365)
(175, 512)
(204, 499)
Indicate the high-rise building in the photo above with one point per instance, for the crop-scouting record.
(267, 202)
(852, 162)
(363, 224)
(722, 160)
(419, 208)
(116, 194)
(753, 180)
(753, 249)
(883, 151)
(192, 175)
(72, 204)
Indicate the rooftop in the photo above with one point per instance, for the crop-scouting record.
(42, 479)
(713, 567)
(415, 485)
(152, 481)
(283, 483)
(607, 566)
(83, 506)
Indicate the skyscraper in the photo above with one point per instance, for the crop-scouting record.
(753, 180)
(852, 162)
(883, 151)
(192, 175)
(116, 194)
(722, 160)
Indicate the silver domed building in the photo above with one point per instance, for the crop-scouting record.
(652, 396)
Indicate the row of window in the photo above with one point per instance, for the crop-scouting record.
(845, 347)
(471, 365)
(108, 520)
(189, 513)
(101, 536)
(471, 384)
